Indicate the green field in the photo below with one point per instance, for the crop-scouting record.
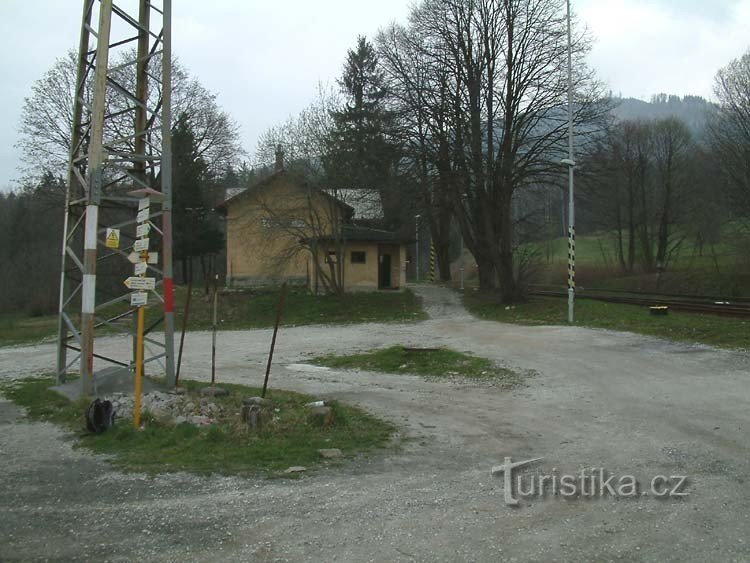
(17, 328)
(720, 270)
(718, 331)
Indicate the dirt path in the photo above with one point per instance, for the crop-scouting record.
(626, 403)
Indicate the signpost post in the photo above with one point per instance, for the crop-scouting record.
(141, 285)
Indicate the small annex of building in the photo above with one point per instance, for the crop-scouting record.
(276, 229)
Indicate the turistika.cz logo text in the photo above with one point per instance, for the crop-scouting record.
(587, 483)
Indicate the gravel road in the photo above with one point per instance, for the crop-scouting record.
(631, 405)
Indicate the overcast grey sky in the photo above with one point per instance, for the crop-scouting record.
(265, 59)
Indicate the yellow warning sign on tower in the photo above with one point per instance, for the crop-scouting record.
(113, 238)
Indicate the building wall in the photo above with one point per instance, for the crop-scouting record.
(262, 243)
(262, 251)
(364, 277)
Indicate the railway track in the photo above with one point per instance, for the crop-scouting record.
(729, 307)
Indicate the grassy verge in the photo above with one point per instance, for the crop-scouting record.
(256, 308)
(246, 309)
(430, 362)
(725, 332)
(289, 439)
(16, 328)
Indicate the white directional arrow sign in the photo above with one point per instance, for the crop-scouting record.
(135, 257)
(143, 203)
(140, 268)
(138, 299)
(142, 230)
(140, 283)
(142, 216)
(140, 245)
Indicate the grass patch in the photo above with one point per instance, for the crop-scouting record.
(17, 328)
(246, 309)
(256, 308)
(721, 270)
(224, 447)
(724, 332)
(431, 363)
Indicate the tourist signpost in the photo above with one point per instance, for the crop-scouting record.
(141, 284)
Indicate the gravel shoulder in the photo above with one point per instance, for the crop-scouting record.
(629, 404)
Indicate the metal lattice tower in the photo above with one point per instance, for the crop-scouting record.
(120, 142)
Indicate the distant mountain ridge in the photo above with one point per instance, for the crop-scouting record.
(693, 110)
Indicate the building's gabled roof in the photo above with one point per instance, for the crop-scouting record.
(366, 203)
(231, 192)
(239, 195)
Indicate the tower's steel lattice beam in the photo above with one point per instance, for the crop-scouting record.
(120, 142)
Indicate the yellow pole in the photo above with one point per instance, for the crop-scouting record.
(138, 370)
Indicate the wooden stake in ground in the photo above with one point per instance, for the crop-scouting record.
(185, 315)
(138, 370)
(215, 327)
(279, 311)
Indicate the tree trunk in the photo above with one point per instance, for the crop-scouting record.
(647, 251)
(661, 252)
(663, 240)
(441, 239)
(487, 275)
(620, 249)
(631, 227)
(507, 278)
(204, 273)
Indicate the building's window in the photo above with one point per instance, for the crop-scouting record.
(359, 257)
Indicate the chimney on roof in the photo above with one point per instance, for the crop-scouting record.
(279, 159)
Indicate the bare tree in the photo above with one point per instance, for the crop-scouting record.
(47, 118)
(495, 83)
(672, 144)
(418, 96)
(730, 129)
(302, 137)
(47, 114)
(637, 185)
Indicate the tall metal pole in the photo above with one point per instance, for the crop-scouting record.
(93, 198)
(416, 220)
(166, 190)
(571, 170)
(70, 193)
(108, 158)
